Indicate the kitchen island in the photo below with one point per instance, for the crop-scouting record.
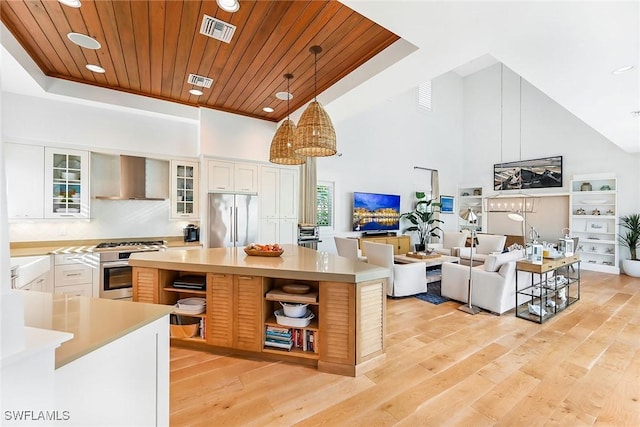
(346, 301)
(113, 371)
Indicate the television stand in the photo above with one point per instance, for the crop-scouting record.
(379, 234)
(401, 244)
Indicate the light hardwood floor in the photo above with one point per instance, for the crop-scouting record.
(443, 368)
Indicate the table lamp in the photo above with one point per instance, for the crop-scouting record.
(471, 219)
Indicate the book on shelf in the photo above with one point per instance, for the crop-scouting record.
(282, 345)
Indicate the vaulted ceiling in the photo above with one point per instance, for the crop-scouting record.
(151, 47)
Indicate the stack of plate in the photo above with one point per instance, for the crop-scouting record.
(191, 305)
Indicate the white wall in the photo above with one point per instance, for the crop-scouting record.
(235, 137)
(381, 146)
(547, 129)
(56, 123)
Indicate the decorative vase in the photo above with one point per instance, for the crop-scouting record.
(586, 186)
(631, 267)
(419, 247)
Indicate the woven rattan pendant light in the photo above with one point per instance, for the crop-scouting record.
(281, 151)
(315, 135)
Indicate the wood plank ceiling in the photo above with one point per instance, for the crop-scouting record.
(150, 48)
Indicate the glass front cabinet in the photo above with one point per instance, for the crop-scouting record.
(66, 183)
(184, 190)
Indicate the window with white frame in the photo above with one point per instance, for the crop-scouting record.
(324, 199)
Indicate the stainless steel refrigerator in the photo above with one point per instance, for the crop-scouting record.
(233, 220)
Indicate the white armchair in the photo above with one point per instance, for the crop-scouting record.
(494, 282)
(487, 244)
(348, 248)
(405, 279)
(452, 241)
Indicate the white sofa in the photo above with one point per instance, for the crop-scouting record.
(493, 286)
(487, 245)
(451, 243)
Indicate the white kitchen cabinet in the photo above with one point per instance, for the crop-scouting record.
(279, 230)
(66, 183)
(278, 205)
(75, 274)
(25, 181)
(233, 177)
(39, 284)
(185, 184)
(289, 194)
(279, 192)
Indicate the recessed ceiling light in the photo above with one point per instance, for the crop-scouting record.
(70, 3)
(84, 41)
(268, 110)
(285, 96)
(635, 113)
(195, 92)
(229, 5)
(623, 69)
(95, 68)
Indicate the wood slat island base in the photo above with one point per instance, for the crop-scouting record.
(347, 300)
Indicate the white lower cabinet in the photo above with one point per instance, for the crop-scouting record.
(281, 231)
(74, 274)
(39, 284)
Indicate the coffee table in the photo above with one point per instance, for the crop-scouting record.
(431, 264)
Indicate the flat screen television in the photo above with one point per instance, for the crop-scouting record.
(376, 212)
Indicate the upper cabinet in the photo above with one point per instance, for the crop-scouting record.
(278, 204)
(66, 183)
(225, 176)
(278, 192)
(185, 184)
(25, 181)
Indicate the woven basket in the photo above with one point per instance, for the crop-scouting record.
(315, 135)
(282, 145)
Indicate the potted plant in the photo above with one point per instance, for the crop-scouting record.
(422, 220)
(631, 239)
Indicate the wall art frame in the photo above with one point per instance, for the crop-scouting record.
(525, 174)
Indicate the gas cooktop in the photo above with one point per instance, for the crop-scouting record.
(142, 244)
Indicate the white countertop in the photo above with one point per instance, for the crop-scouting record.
(94, 322)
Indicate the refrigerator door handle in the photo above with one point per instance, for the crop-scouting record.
(235, 224)
(231, 224)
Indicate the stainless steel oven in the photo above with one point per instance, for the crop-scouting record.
(116, 278)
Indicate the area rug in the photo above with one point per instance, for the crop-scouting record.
(432, 295)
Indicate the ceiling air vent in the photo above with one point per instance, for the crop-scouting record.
(201, 81)
(217, 29)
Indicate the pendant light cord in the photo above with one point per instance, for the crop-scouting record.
(501, 110)
(315, 75)
(288, 95)
(520, 120)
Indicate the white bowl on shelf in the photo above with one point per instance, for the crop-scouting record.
(192, 305)
(69, 175)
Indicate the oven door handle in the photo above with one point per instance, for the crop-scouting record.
(111, 264)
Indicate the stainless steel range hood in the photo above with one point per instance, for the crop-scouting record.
(132, 180)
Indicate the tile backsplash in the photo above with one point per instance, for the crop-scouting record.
(110, 219)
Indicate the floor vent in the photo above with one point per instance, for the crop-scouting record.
(201, 81)
(217, 29)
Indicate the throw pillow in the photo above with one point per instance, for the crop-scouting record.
(494, 262)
